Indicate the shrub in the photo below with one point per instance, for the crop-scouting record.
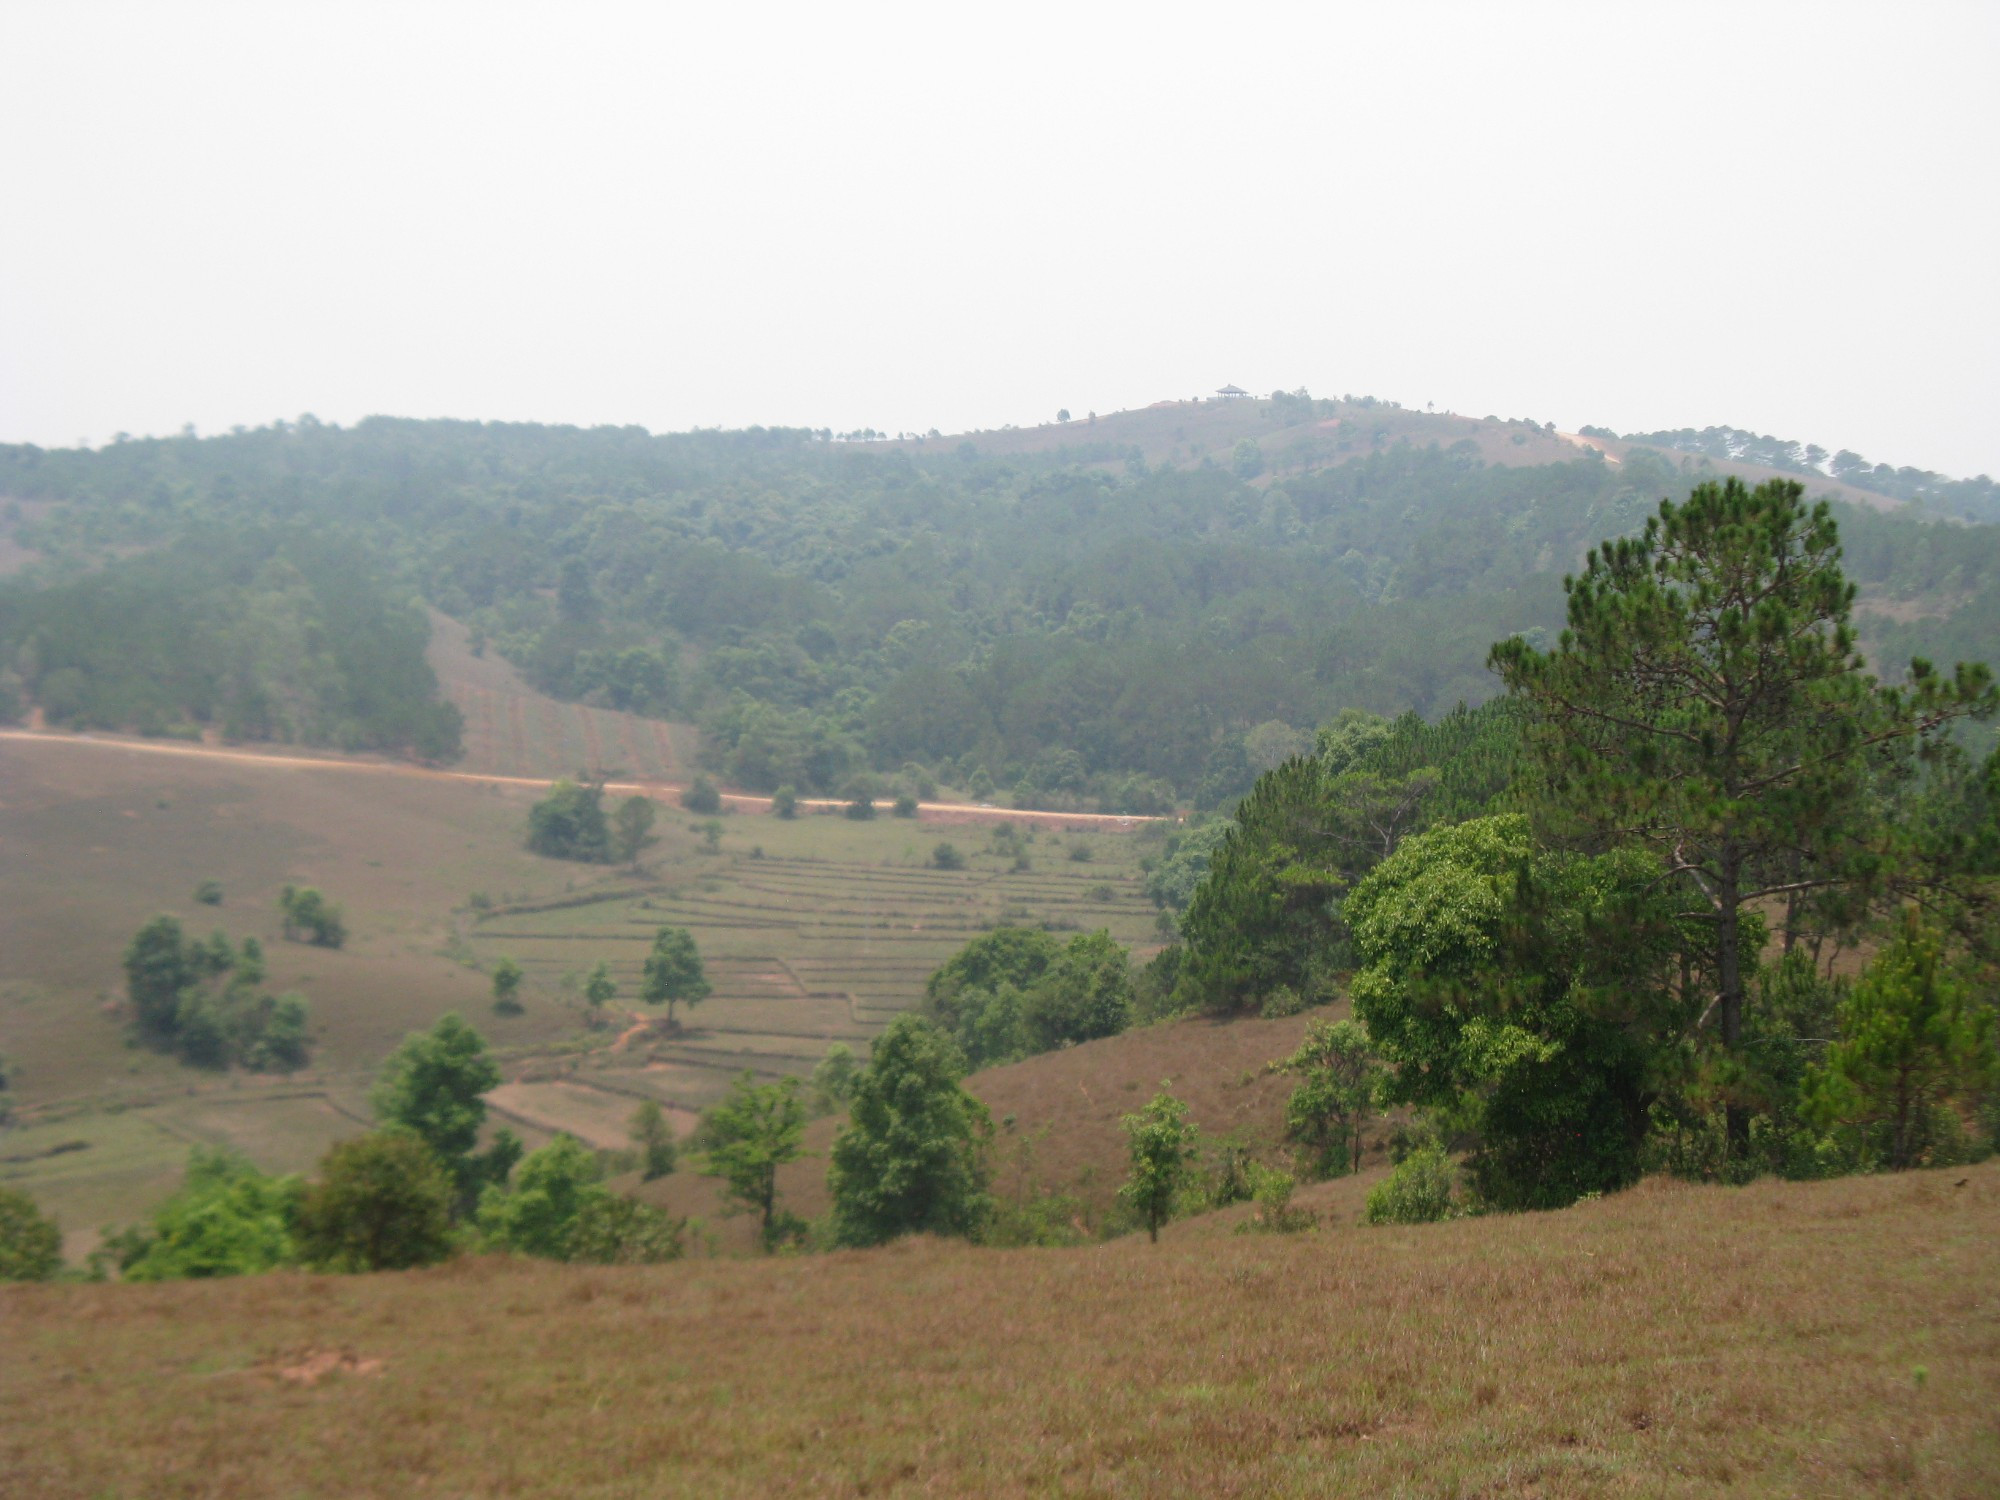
(569, 823)
(228, 1219)
(905, 806)
(1275, 1213)
(614, 1231)
(310, 918)
(382, 1203)
(861, 808)
(30, 1242)
(785, 801)
(209, 893)
(702, 797)
(947, 857)
(1419, 1191)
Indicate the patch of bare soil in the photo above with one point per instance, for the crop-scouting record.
(314, 1365)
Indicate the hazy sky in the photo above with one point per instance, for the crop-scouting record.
(1782, 217)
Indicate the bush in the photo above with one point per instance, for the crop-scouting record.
(785, 801)
(569, 823)
(947, 857)
(905, 806)
(1272, 1190)
(310, 918)
(382, 1203)
(209, 893)
(702, 797)
(30, 1243)
(861, 808)
(228, 1219)
(614, 1231)
(1419, 1191)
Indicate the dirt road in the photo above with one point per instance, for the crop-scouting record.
(933, 812)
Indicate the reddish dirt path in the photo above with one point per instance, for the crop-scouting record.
(930, 812)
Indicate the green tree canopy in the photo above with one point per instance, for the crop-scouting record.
(569, 823)
(432, 1086)
(227, 1219)
(30, 1243)
(1338, 1073)
(536, 1213)
(673, 973)
(913, 1157)
(1160, 1141)
(1707, 699)
(1538, 991)
(381, 1202)
(753, 1132)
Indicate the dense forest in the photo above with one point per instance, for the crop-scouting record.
(1078, 627)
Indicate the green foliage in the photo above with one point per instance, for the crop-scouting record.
(1271, 1190)
(209, 893)
(946, 857)
(785, 801)
(1418, 1191)
(673, 973)
(1338, 1075)
(1708, 698)
(535, 1214)
(653, 1140)
(262, 631)
(1160, 1142)
(701, 796)
(432, 1086)
(905, 805)
(599, 988)
(382, 1202)
(833, 1079)
(752, 1133)
(1006, 956)
(912, 1159)
(507, 976)
(310, 918)
(1183, 864)
(30, 1243)
(1911, 1042)
(569, 823)
(227, 1219)
(614, 1231)
(1085, 993)
(1535, 990)
(199, 998)
(632, 829)
(861, 807)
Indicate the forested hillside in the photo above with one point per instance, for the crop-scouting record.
(1124, 612)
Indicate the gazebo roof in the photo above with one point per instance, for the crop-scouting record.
(1231, 390)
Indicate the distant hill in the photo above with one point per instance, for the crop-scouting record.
(1121, 612)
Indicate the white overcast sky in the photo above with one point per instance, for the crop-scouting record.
(1784, 217)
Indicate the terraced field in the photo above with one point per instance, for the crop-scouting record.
(807, 940)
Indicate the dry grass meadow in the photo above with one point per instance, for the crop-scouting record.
(1782, 1339)
(815, 931)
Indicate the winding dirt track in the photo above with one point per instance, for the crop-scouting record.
(934, 812)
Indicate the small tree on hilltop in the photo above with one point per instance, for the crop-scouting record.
(673, 973)
(382, 1203)
(1160, 1140)
(755, 1131)
(913, 1157)
(1337, 1075)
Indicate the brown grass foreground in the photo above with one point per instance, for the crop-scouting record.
(1827, 1339)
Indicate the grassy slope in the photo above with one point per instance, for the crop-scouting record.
(822, 939)
(1830, 1339)
(1056, 1117)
